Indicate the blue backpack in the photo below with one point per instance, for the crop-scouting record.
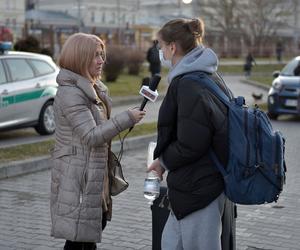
(255, 172)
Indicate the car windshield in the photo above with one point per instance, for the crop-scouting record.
(291, 69)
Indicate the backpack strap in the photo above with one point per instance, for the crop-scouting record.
(206, 81)
(217, 163)
(215, 89)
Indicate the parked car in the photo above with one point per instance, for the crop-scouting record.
(284, 95)
(27, 89)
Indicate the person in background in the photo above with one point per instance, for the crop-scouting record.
(191, 121)
(80, 189)
(279, 50)
(249, 64)
(153, 59)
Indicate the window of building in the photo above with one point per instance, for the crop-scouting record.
(92, 16)
(13, 4)
(113, 18)
(14, 22)
(7, 5)
(103, 17)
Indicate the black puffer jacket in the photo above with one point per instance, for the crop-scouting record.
(191, 121)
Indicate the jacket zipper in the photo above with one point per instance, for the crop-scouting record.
(83, 181)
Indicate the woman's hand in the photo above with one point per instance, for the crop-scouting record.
(137, 114)
(156, 167)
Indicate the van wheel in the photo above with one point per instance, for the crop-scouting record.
(46, 125)
(272, 116)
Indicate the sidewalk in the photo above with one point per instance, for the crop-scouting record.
(25, 217)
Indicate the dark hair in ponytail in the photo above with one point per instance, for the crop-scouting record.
(188, 33)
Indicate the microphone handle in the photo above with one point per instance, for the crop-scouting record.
(143, 104)
(141, 108)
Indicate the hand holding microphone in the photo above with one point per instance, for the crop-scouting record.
(149, 93)
(137, 114)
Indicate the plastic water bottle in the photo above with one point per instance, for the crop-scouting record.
(152, 181)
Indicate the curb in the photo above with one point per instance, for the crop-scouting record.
(120, 101)
(256, 84)
(36, 164)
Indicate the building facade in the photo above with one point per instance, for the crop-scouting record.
(12, 16)
(135, 22)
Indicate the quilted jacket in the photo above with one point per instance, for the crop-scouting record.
(80, 156)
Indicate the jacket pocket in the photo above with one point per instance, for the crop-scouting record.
(63, 151)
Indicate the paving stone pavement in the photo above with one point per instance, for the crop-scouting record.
(25, 221)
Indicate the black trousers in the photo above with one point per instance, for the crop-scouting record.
(74, 245)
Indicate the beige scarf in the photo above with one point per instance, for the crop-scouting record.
(106, 198)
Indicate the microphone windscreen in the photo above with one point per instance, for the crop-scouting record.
(154, 81)
(146, 81)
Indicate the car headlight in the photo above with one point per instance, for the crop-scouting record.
(277, 85)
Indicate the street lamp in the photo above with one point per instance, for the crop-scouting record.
(187, 1)
(180, 5)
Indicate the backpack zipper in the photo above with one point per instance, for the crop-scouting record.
(257, 161)
(246, 134)
(277, 159)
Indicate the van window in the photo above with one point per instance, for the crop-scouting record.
(2, 74)
(19, 69)
(42, 67)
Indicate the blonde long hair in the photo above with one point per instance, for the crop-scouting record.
(78, 52)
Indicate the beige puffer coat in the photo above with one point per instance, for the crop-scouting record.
(80, 155)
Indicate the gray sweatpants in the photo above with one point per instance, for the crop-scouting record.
(200, 230)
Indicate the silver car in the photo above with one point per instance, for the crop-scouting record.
(27, 89)
(284, 95)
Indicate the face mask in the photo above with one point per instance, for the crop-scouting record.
(163, 61)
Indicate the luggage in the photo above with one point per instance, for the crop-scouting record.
(160, 215)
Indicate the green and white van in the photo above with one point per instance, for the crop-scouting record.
(27, 89)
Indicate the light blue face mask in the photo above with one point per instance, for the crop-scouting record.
(163, 61)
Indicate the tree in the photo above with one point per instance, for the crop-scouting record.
(222, 16)
(29, 44)
(261, 20)
(253, 20)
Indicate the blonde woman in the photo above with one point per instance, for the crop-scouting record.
(80, 198)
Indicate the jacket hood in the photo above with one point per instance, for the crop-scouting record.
(66, 77)
(199, 59)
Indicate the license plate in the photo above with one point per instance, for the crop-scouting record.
(291, 103)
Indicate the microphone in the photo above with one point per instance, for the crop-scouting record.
(150, 93)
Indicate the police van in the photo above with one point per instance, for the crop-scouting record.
(27, 89)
